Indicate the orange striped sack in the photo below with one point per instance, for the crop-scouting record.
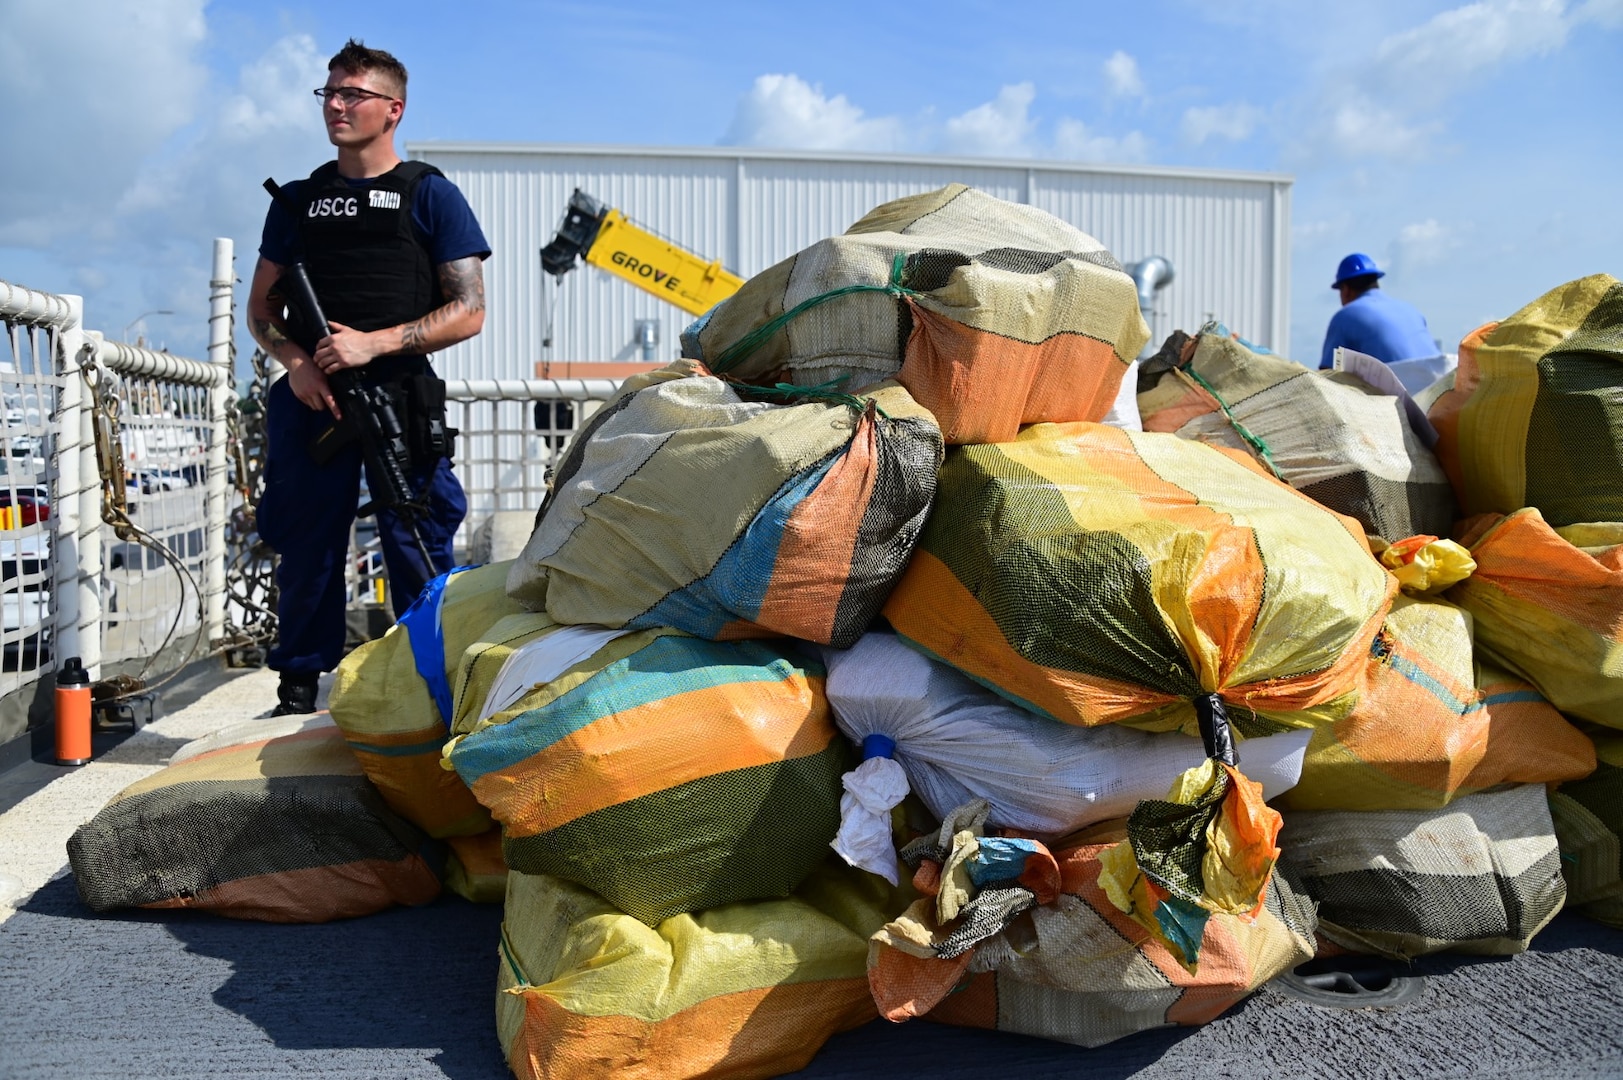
(698, 504)
(737, 992)
(284, 829)
(1432, 725)
(668, 775)
(1009, 315)
(392, 697)
(1328, 434)
(1095, 575)
(1535, 416)
(1548, 605)
(1081, 970)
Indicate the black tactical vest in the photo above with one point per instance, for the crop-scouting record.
(369, 267)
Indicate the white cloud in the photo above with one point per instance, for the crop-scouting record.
(1425, 243)
(784, 111)
(1406, 77)
(1073, 141)
(1312, 231)
(787, 112)
(267, 124)
(1233, 122)
(91, 88)
(1361, 129)
(1000, 128)
(1122, 75)
(1434, 58)
(175, 159)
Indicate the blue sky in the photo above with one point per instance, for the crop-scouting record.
(1471, 148)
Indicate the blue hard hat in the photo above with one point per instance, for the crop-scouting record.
(1354, 266)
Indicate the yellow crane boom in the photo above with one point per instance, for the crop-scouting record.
(606, 238)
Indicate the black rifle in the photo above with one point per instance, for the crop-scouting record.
(369, 415)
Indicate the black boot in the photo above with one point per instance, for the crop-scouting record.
(296, 693)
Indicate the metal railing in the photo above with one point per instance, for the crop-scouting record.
(511, 433)
(127, 481)
(113, 497)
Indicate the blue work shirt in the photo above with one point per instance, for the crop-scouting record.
(1379, 326)
(444, 221)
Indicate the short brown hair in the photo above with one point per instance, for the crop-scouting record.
(357, 59)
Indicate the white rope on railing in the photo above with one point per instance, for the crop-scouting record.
(21, 305)
(134, 360)
(530, 389)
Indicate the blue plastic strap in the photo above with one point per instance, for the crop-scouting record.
(877, 745)
(1001, 858)
(427, 637)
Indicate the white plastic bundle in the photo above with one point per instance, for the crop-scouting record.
(927, 727)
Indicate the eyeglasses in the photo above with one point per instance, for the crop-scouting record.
(349, 96)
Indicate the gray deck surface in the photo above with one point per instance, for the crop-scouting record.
(410, 992)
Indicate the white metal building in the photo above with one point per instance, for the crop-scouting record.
(1227, 234)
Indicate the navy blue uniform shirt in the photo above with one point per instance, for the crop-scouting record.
(445, 223)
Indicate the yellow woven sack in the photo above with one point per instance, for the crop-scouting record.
(697, 504)
(1328, 434)
(1548, 605)
(392, 698)
(279, 828)
(1432, 725)
(1096, 575)
(993, 314)
(1535, 418)
(665, 772)
(747, 990)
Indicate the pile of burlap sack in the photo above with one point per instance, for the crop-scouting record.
(855, 668)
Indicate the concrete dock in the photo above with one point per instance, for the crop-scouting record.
(409, 992)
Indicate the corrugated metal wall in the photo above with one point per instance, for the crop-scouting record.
(1226, 234)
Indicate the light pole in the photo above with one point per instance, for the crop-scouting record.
(138, 318)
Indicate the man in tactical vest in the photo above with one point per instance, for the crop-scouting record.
(394, 255)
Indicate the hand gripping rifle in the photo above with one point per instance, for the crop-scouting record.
(374, 420)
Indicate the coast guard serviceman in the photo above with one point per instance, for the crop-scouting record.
(394, 254)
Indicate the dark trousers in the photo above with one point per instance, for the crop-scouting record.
(305, 516)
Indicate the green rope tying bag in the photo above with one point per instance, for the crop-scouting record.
(829, 392)
(750, 343)
(1252, 440)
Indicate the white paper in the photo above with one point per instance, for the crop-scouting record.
(1382, 377)
(538, 662)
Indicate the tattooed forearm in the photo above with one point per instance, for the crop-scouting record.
(265, 307)
(462, 281)
(268, 334)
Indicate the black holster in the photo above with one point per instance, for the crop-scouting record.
(428, 436)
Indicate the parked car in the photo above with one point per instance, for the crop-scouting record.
(152, 481)
(25, 585)
(33, 505)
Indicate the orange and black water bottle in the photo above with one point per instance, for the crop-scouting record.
(72, 713)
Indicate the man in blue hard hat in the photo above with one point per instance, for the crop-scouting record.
(1379, 325)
